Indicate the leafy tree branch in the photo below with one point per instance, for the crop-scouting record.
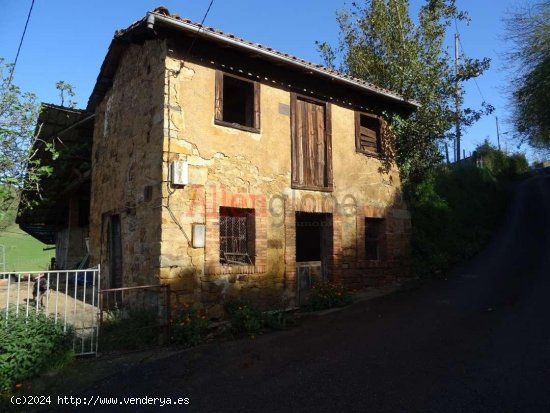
(380, 42)
(19, 167)
(529, 31)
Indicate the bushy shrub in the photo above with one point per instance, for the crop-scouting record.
(129, 329)
(245, 318)
(30, 345)
(517, 165)
(189, 327)
(277, 320)
(326, 295)
(457, 208)
(499, 164)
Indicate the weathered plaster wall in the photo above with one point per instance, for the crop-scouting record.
(126, 159)
(363, 189)
(227, 167)
(231, 167)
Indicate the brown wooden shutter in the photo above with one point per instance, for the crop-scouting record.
(328, 135)
(320, 148)
(219, 96)
(358, 132)
(309, 141)
(382, 136)
(296, 121)
(301, 144)
(367, 133)
(257, 105)
(293, 138)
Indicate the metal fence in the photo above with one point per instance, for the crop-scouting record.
(69, 297)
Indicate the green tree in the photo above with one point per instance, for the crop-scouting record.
(18, 132)
(529, 31)
(66, 88)
(379, 42)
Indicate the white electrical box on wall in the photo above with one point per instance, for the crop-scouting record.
(179, 173)
(199, 235)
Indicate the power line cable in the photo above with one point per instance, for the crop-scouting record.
(200, 27)
(20, 44)
(464, 53)
(475, 80)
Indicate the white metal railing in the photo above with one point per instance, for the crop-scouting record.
(69, 297)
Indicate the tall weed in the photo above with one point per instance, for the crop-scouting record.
(30, 345)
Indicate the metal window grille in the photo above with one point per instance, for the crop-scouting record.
(234, 238)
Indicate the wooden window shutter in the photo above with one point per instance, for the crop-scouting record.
(219, 96)
(367, 133)
(294, 137)
(358, 132)
(328, 134)
(257, 105)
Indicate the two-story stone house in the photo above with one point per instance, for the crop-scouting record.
(226, 168)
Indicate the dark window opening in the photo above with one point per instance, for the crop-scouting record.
(237, 236)
(83, 213)
(374, 232)
(313, 236)
(367, 134)
(237, 102)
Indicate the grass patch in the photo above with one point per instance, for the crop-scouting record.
(23, 252)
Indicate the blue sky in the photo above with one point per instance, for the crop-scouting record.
(67, 40)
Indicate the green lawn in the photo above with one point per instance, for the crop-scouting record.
(23, 252)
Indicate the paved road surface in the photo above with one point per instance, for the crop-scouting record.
(478, 341)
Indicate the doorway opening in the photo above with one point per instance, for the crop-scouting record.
(313, 251)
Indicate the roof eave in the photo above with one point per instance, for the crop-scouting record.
(152, 18)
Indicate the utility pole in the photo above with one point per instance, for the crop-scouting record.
(498, 134)
(457, 101)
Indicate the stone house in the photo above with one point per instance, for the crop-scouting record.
(226, 168)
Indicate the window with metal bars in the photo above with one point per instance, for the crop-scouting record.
(237, 236)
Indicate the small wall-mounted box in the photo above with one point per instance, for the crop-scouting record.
(199, 235)
(179, 173)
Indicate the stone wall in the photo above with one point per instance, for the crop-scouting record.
(127, 165)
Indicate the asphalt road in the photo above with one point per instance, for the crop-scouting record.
(477, 341)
